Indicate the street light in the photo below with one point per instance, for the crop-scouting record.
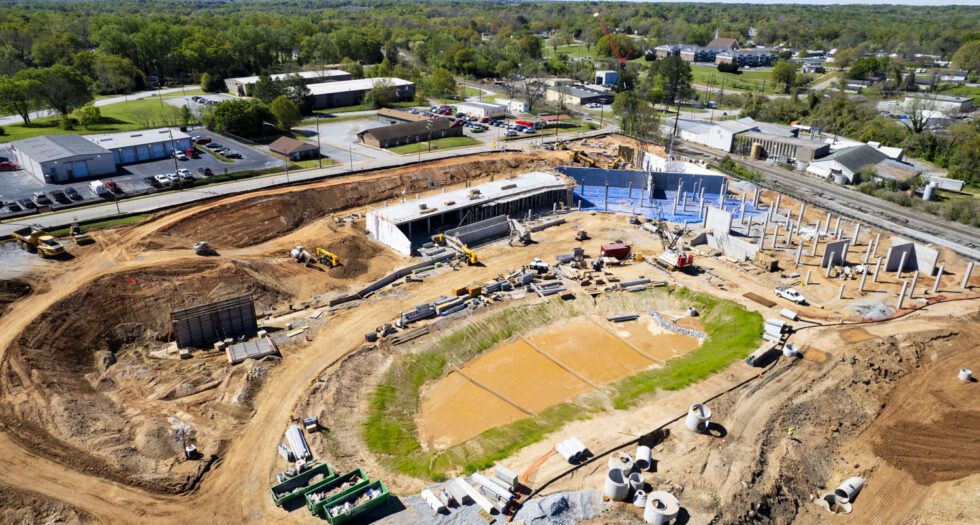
(319, 154)
(173, 146)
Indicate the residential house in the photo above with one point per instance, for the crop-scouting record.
(410, 133)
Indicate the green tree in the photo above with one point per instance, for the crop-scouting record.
(60, 87)
(184, 115)
(636, 116)
(113, 74)
(212, 83)
(87, 115)
(968, 56)
(286, 112)
(246, 117)
(17, 96)
(266, 89)
(381, 95)
(440, 84)
(865, 68)
(294, 88)
(672, 78)
(784, 73)
(530, 46)
(355, 69)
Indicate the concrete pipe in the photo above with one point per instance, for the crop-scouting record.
(636, 481)
(790, 350)
(644, 458)
(661, 508)
(621, 460)
(616, 487)
(640, 499)
(849, 489)
(966, 375)
(698, 418)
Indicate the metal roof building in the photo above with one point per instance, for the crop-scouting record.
(351, 92)
(405, 226)
(129, 147)
(242, 86)
(63, 158)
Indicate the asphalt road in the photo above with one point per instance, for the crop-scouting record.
(157, 201)
(963, 239)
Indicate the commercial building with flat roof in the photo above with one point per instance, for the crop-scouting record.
(351, 92)
(129, 147)
(577, 95)
(242, 86)
(792, 148)
(63, 158)
(482, 109)
(404, 227)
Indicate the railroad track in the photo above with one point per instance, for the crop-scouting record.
(963, 239)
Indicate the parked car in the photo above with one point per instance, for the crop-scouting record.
(511, 133)
(203, 170)
(233, 155)
(13, 207)
(27, 204)
(192, 153)
(8, 166)
(478, 129)
(59, 196)
(530, 130)
(41, 199)
(791, 295)
(112, 186)
(211, 145)
(152, 181)
(204, 139)
(180, 155)
(162, 180)
(73, 194)
(184, 173)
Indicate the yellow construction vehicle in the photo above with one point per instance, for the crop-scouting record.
(327, 258)
(80, 236)
(583, 157)
(617, 164)
(34, 239)
(457, 245)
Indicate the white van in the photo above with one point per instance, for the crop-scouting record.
(98, 187)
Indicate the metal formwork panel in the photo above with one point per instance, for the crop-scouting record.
(201, 326)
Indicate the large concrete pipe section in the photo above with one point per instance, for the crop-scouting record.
(966, 375)
(698, 418)
(616, 487)
(644, 457)
(661, 508)
(640, 499)
(636, 481)
(849, 489)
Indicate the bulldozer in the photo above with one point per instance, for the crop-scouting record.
(80, 237)
(452, 242)
(328, 259)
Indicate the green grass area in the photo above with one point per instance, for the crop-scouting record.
(748, 80)
(144, 113)
(571, 50)
(308, 164)
(104, 224)
(437, 144)
(365, 107)
(733, 333)
(963, 91)
(310, 121)
(391, 432)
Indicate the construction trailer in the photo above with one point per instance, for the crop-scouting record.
(406, 226)
(297, 486)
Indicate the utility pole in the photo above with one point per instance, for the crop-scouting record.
(319, 155)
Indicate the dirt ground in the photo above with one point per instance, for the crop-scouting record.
(92, 399)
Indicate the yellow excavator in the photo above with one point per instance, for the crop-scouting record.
(583, 157)
(326, 258)
(454, 243)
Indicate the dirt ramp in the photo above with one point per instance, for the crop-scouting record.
(83, 383)
(10, 291)
(22, 507)
(264, 217)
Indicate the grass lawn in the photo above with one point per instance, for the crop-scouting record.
(103, 224)
(964, 91)
(144, 113)
(571, 50)
(310, 121)
(365, 107)
(391, 432)
(750, 80)
(437, 144)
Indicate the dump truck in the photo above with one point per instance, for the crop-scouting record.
(618, 250)
(80, 236)
(35, 240)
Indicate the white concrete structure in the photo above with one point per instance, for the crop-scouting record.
(242, 86)
(482, 109)
(719, 135)
(351, 92)
(513, 106)
(406, 224)
(942, 103)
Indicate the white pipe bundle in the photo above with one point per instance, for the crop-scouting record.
(432, 500)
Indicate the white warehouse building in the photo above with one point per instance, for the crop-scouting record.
(482, 109)
(405, 226)
(137, 146)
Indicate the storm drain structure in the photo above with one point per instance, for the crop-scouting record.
(404, 227)
(674, 197)
(201, 326)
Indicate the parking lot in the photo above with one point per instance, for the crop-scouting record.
(20, 185)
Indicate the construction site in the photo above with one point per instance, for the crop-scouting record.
(592, 333)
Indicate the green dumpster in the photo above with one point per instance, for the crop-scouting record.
(317, 495)
(294, 487)
(345, 507)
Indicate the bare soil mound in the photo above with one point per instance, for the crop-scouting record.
(261, 218)
(79, 384)
(21, 507)
(10, 291)
(942, 450)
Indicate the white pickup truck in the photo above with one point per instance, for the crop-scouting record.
(791, 295)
